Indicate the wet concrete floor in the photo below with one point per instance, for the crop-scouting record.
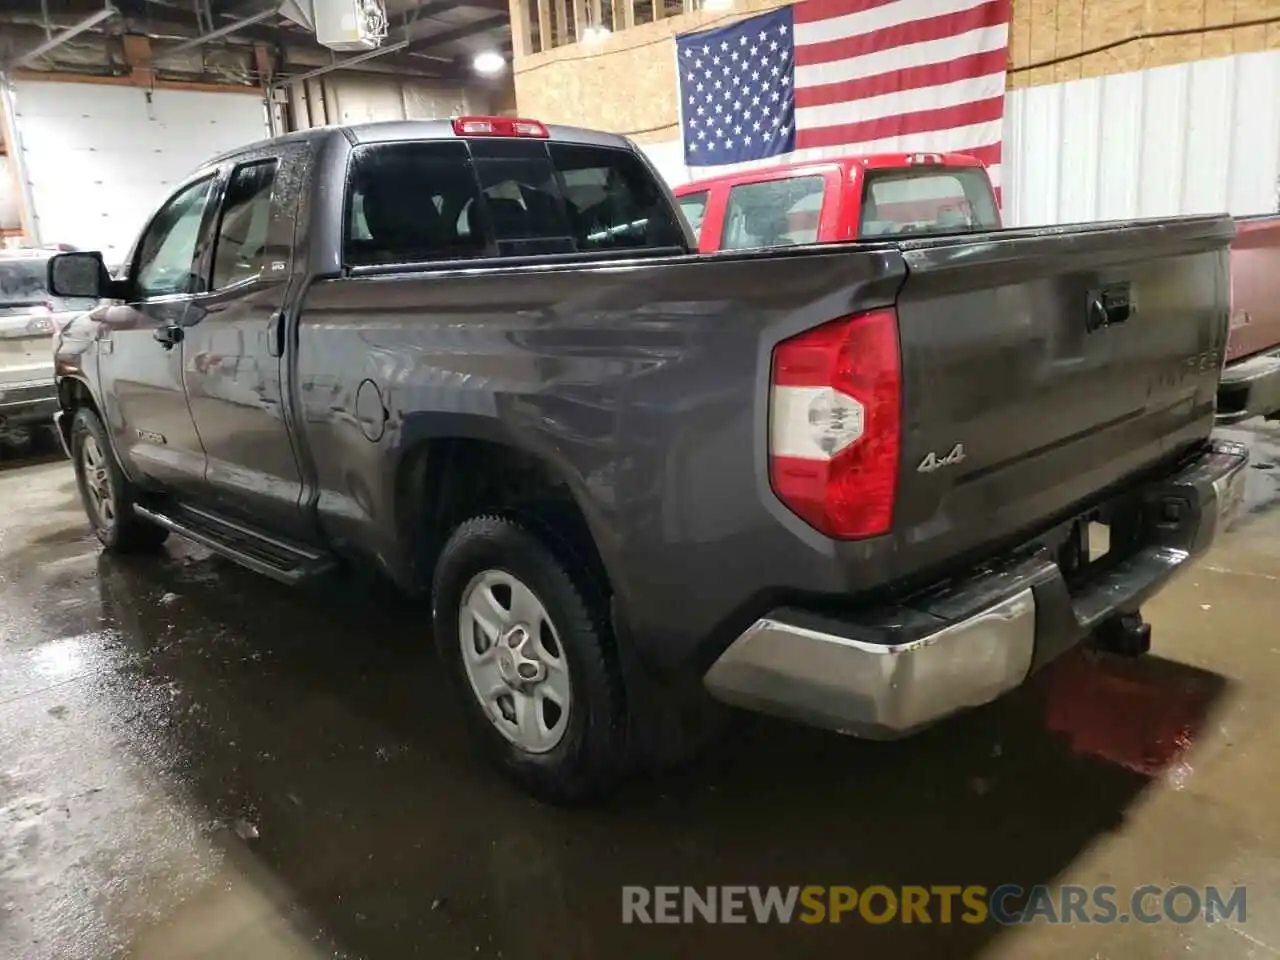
(198, 763)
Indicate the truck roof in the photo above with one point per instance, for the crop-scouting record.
(868, 161)
(385, 131)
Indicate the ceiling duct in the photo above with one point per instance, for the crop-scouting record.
(346, 25)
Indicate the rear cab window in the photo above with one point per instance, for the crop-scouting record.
(694, 208)
(918, 200)
(501, 197)
(773, 213)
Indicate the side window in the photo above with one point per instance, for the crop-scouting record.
(773, 213)
(243, 226)
(168, 248)
(694, 208)
(405, 203)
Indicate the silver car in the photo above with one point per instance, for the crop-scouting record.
(29, 317)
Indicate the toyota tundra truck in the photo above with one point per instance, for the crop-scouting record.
(863, 486)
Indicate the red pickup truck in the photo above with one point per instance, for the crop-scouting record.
(844, 198)
(1251, 378)
(893, 195)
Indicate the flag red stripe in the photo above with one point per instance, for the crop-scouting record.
(811, 11)
(882, 128)
(990, 14)
(990, 154)
(895, 81)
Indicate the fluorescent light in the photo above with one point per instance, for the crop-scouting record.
(489, 62)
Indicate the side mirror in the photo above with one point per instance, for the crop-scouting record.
(79, 275)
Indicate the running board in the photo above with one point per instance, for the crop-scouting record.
(286, 562)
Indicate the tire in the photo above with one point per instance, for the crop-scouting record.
(500, 555)
(101, 482)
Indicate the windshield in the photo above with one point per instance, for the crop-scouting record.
(927, 201)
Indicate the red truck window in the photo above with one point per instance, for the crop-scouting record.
(927, 201)
(694, 208)
(773, 213)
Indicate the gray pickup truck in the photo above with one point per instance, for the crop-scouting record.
(860, 485)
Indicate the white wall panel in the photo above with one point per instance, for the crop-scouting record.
(1199, 137)
(10, 202)
(98, 159)
(346, 98)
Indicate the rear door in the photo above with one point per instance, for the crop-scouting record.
(232, 366)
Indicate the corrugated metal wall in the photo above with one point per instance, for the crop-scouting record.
(1198, 137)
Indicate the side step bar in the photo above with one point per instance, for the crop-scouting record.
(286, 562)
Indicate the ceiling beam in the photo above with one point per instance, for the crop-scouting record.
(457, 33)
(135, 16)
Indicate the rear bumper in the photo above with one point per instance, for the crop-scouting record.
(889, 672)
(1250, 387)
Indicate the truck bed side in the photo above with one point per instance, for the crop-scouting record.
(645, 386)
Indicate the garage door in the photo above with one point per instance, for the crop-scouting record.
(98, 159)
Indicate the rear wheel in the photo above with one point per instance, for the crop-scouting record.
(108, 497)
(533, 657)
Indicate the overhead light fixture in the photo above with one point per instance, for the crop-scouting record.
(489, 62)
(716, 4)
(592, 34)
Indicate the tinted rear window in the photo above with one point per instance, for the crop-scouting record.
(449, 200)
(927, 201)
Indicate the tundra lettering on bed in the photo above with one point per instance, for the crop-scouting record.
(849, 484)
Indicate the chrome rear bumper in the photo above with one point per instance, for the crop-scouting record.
(833, 673)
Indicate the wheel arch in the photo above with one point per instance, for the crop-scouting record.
(441, 479)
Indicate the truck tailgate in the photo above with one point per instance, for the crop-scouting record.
(1042, 367)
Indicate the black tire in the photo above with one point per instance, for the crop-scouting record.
(590, 756)
(124, 531)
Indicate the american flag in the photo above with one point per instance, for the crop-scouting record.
(827, 77)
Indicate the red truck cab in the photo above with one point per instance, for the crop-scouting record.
(844, 198)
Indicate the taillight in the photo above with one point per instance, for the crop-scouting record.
(835, 421)
(499, 127)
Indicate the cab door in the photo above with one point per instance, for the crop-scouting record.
(140, 345)
(234, 365)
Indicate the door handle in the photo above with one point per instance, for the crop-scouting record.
(275, 334)
(168, 335)
(1108, 306)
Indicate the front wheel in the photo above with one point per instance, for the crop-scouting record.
(107, 495)
(532, 655)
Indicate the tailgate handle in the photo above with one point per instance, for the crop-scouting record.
(1108, 306)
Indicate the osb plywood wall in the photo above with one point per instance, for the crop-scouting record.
(626, 82)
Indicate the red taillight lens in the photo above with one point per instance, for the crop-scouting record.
(835, 422)
(499, 127)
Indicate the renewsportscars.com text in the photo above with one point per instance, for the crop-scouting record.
(1005, 904)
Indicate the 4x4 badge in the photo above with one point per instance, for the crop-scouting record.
(934, 462)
